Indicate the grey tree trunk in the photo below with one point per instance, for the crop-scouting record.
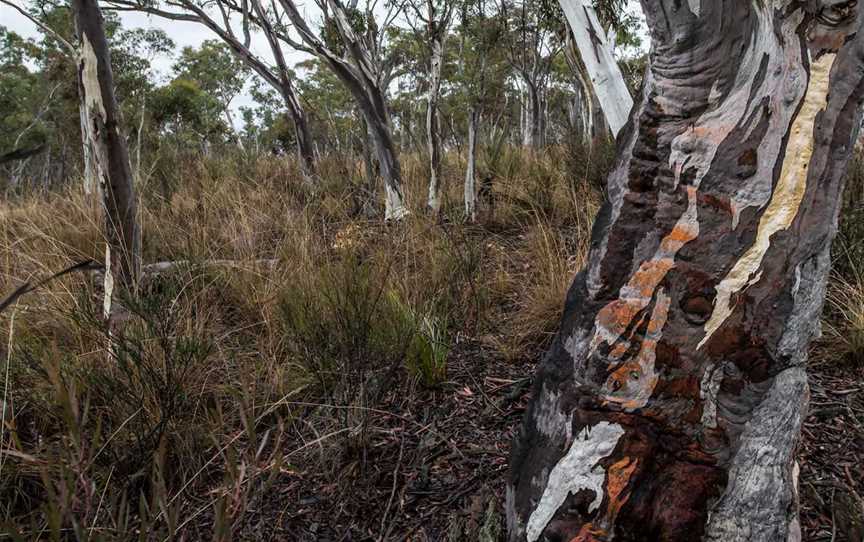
(305, 145)
(433, 133)
(109, 154)
(670, 403)
(363, 79)
(471, 168)
(533, 131)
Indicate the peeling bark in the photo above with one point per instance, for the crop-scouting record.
(689, 328)
(109, 154)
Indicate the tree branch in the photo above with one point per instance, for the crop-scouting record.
(72, 50)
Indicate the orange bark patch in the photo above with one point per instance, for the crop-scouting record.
(617, 480)
(589, 533)
(614, 319)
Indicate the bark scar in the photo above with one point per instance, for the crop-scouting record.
(786, 200)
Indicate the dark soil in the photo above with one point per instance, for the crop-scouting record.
(434, 463)
(831, 455)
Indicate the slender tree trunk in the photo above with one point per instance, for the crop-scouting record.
(596, 55)
(368, 159)
(670, 404)
(532, 136)
(471, 168)
(385, 150)
(110, 156)
(305, 144)
(433, 133)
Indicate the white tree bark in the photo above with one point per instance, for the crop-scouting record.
(433, 136)
(606, 77)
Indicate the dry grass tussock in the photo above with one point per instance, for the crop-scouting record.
(228, 377)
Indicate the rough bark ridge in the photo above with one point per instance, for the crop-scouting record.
(108, 152)
(669, 405)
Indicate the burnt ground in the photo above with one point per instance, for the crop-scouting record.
(435, 461)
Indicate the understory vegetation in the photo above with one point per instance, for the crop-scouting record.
(274, 323)
(285, 316)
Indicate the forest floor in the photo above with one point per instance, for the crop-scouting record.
(437, 463)
(831, 455)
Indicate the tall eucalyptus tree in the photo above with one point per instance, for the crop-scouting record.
(355, 51)
(110, 157)
(435, 17)
(670, 404)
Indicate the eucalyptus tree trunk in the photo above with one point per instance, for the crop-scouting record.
(282, 81)
(362, 76)
(670, 403)
(305, 143)
(606, 81)
(433, 133)
(471, 168)
(109, 154)
(533, 127)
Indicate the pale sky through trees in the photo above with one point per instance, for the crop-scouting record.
(182, 33)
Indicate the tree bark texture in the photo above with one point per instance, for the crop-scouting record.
(109, 154)
(670, 403)
(605, 76)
